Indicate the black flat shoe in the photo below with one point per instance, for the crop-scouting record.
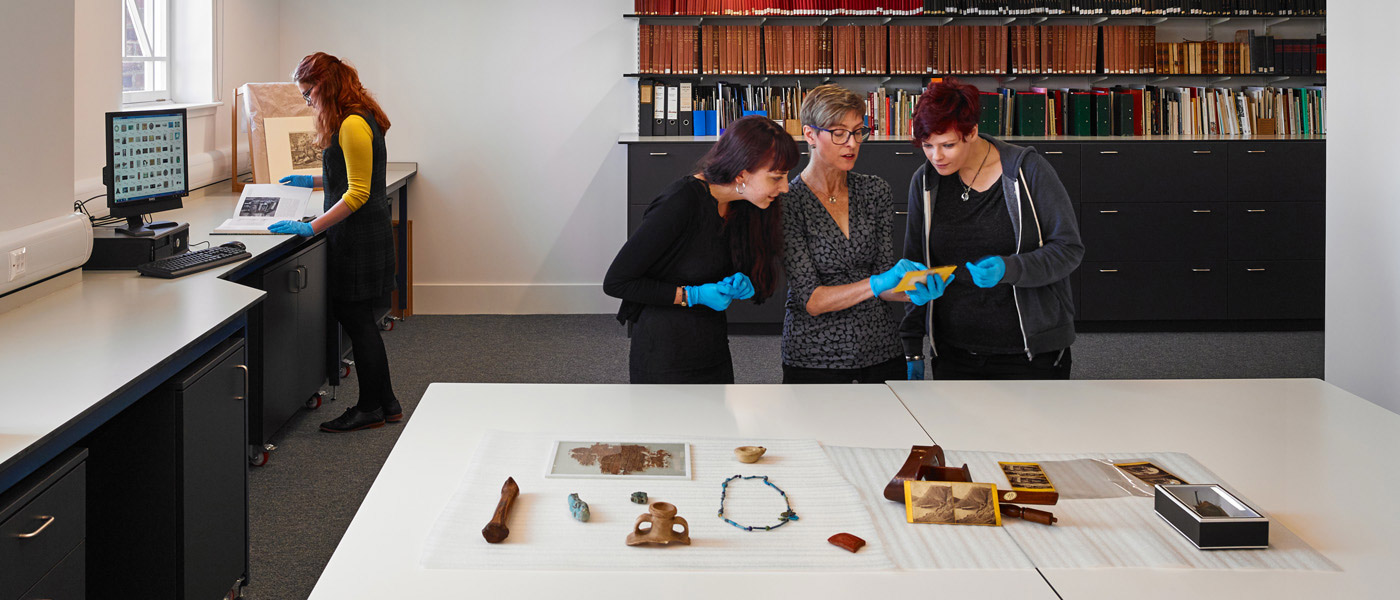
(393, 412)
(355, 420)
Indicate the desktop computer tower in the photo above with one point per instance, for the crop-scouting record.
(112, 250)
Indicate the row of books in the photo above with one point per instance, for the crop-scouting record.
(983, 7)
(1154, 110)
(687, 109)
(781, 7)
(963, 50)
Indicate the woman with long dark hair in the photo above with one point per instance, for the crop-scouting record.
(708, 239)
(350, 129)
(999, 212)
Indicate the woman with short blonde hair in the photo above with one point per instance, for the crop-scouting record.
(839, 254)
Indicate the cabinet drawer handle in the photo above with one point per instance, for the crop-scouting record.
(1199, 211)
(1200, 151)
(293, 285)
(1255, 270)
(1108, 270)
(305, 276)
(48, 521)
(1108, 152)
(659, 153)
(903, 153)
(1108, 212)
(1054, 152)
(902, 212)
(1200, 270)
(1255, 151)
(244, 368)
(1254, 210)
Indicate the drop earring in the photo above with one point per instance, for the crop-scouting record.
(741, 188)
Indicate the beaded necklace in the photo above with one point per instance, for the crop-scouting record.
(788, 515)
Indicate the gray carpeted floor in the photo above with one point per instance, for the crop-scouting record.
(304, 498)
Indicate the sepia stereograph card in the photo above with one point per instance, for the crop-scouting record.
(1149, 473)
(951, 503)
(620, 459)
(1026, 477)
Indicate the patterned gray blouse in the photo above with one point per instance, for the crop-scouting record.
(816, 253)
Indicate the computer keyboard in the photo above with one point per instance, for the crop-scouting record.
(192, 262)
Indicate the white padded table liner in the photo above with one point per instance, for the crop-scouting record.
(543, 535)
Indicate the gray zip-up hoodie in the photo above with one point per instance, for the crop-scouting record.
(1048, 249)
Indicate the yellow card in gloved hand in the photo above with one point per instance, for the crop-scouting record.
(907, 282)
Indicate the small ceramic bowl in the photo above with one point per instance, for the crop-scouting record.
(749, 454)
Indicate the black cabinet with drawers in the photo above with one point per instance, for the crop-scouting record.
(43, 525)
(168, 496)
(1216, 230)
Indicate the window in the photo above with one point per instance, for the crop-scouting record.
(145, 50)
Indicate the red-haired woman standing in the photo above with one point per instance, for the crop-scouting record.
(708, 239)
(1000, 213)
(350, 128)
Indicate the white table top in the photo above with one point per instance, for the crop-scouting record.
(64, 353)
(1313, 457)
(387, 535)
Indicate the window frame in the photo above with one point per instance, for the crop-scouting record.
(159, 12)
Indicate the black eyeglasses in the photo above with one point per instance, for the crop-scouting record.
(307, 94)
(840, 136)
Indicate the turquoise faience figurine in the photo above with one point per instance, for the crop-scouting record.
(578, 508)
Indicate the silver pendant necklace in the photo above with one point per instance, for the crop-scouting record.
(967, 188)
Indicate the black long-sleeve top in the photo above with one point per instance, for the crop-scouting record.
(680, 242)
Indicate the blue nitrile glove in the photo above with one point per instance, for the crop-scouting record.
(740, 287)
(711, 294)
(305, 181)
(988, 271)
(886, 281)
(292, 227)
(930, 290)
(915, 370)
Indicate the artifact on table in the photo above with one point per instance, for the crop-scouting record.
(847, 541)
(661, 521)
(749, 454)
(639, 460)
(578, 508)
(639, 497)
(951, 502)
(1149, 473)
(925, 463)
(1030, 514)
(1212, 518)
(1029, 484)
(495, 532)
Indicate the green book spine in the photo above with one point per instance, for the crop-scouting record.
(990, 121)
(1030, 114)
(1103, 114)
(1081, 109)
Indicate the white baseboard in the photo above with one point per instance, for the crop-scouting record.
(512, 299)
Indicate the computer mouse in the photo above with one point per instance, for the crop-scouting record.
(238, 245)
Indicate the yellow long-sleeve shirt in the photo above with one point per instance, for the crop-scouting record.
(357, 142)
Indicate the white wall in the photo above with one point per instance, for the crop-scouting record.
(36, 135)
(1363, 202)
(512, 112)
(249, 54)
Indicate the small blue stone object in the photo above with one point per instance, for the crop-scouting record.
(578, 508)
(639, 497)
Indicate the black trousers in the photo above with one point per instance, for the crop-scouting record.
(371, 361)
(892, 369)
(956, 363)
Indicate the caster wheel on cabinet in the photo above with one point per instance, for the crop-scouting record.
(314, 402)
(259, 459)
(387, 325)
(344, 371)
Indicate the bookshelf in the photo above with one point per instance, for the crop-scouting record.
(1236, 219)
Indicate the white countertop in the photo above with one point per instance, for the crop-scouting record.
(1313, 457)
(63, 354)
(387, 535)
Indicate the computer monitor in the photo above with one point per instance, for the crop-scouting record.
(147, 166)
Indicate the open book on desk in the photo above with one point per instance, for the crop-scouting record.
(263, 204)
